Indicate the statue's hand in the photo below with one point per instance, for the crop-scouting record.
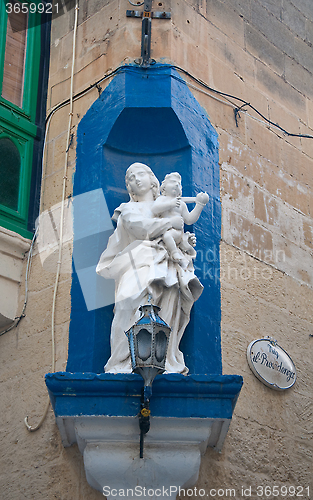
(202, 198)
(177, 223)
(192, 240)
(176, 202)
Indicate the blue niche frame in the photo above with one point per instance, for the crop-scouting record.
(146, 115)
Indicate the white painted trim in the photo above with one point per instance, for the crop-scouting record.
(12, 250)
(13, 243)
(172, 450)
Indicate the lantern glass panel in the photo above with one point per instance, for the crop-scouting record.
(160, 345)
(144, 344)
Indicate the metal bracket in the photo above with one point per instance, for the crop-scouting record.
(147, 5)
(145, 41)
(161, 15)
(146, 16)
(154, 15)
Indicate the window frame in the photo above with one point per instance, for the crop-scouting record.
(19, 123)
(32, 59)
(25, 147)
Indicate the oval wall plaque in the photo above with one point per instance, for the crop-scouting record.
(271, 364)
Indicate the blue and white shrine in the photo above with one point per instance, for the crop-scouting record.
(147, 116)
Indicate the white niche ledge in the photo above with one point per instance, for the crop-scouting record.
(12, 251)
(99, 413)
(172, 451)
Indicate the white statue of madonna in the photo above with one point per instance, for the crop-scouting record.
(137, 259)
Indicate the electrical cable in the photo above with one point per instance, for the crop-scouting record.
(244, 103)
(36, 427)
(30, 253)
(201, 83)
(47, 125)
(84, 92)
(226, 102)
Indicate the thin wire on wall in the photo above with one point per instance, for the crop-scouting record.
(227, 97)
(243, 102)
(36, 427)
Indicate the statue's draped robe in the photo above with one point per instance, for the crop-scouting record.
(137, 260)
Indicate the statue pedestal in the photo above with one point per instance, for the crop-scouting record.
(98, 412)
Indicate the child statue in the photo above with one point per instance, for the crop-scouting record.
(170, 204)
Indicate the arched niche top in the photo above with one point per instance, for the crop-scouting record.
(149, 131)
(149, 112)
(147, 115)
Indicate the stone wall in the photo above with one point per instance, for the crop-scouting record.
(261, 52)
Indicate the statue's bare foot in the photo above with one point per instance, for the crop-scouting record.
(182, 261)
(176, 256)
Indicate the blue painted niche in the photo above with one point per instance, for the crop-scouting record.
(146, 115)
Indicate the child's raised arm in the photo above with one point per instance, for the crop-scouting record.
(163, 204)
(192, 217)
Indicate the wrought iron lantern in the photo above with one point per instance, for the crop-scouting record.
(148, 341)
